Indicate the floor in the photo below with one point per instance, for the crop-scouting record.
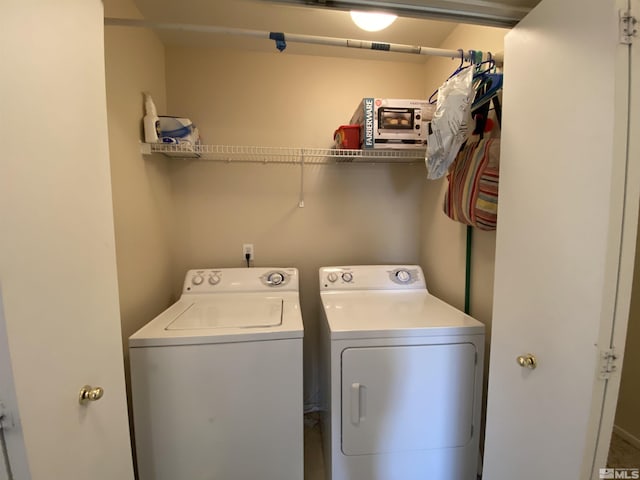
(622, 454)
(313, 458)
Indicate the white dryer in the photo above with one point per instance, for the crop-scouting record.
(402, 371)
(217, 380)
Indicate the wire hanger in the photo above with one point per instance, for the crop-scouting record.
(487, 81)
(475, 59)
(493, 84)
(461, 67)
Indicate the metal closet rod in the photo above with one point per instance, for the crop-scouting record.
(281, 38)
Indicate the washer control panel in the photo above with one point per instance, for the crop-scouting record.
(337, 276)
(217, 280)
(202, 280)
(372, 277)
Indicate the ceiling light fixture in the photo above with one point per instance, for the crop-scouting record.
(372, 21)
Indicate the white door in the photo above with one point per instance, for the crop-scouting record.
(57, 249)
(562, 256)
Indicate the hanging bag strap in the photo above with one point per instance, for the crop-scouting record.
(498, 109)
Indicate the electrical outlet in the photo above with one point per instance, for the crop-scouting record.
(247, 248)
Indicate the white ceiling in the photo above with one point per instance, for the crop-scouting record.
(275, 16)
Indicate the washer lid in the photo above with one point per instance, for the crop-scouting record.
(378, 313)
(200, 319)
(226, 312)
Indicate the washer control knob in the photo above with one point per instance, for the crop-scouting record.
(275, 278)
(347, 276)
(197, 280)
(332, 277)
(403, 276)
(214, 279)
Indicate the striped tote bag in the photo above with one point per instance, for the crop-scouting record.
(472, 195)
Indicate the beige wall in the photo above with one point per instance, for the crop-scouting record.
(141, 188)
(627, 414)
(353, 214)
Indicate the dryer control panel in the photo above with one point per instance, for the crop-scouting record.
(218, 280)
(372, 277)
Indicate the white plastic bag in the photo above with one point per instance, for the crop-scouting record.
(451, 124)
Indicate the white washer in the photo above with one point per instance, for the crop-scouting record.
(217, 380)
(403, 375)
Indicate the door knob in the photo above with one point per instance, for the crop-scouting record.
(527, 361)
(90, 394)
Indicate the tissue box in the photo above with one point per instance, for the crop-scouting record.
(178, 130)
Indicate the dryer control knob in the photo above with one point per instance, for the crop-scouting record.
(332, 277)
(197, 280)
(275, 278)
(403, 276)
(214, 279)
(347, 276)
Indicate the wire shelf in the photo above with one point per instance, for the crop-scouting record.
(254, 154)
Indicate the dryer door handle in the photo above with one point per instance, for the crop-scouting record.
(358, 392)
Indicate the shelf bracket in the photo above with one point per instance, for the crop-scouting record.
(301, 200)
(145, 148)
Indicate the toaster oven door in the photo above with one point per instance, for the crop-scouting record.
(390, 118)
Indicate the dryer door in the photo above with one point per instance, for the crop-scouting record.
(401, 398)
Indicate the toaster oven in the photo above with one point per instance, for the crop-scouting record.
(393, 123)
